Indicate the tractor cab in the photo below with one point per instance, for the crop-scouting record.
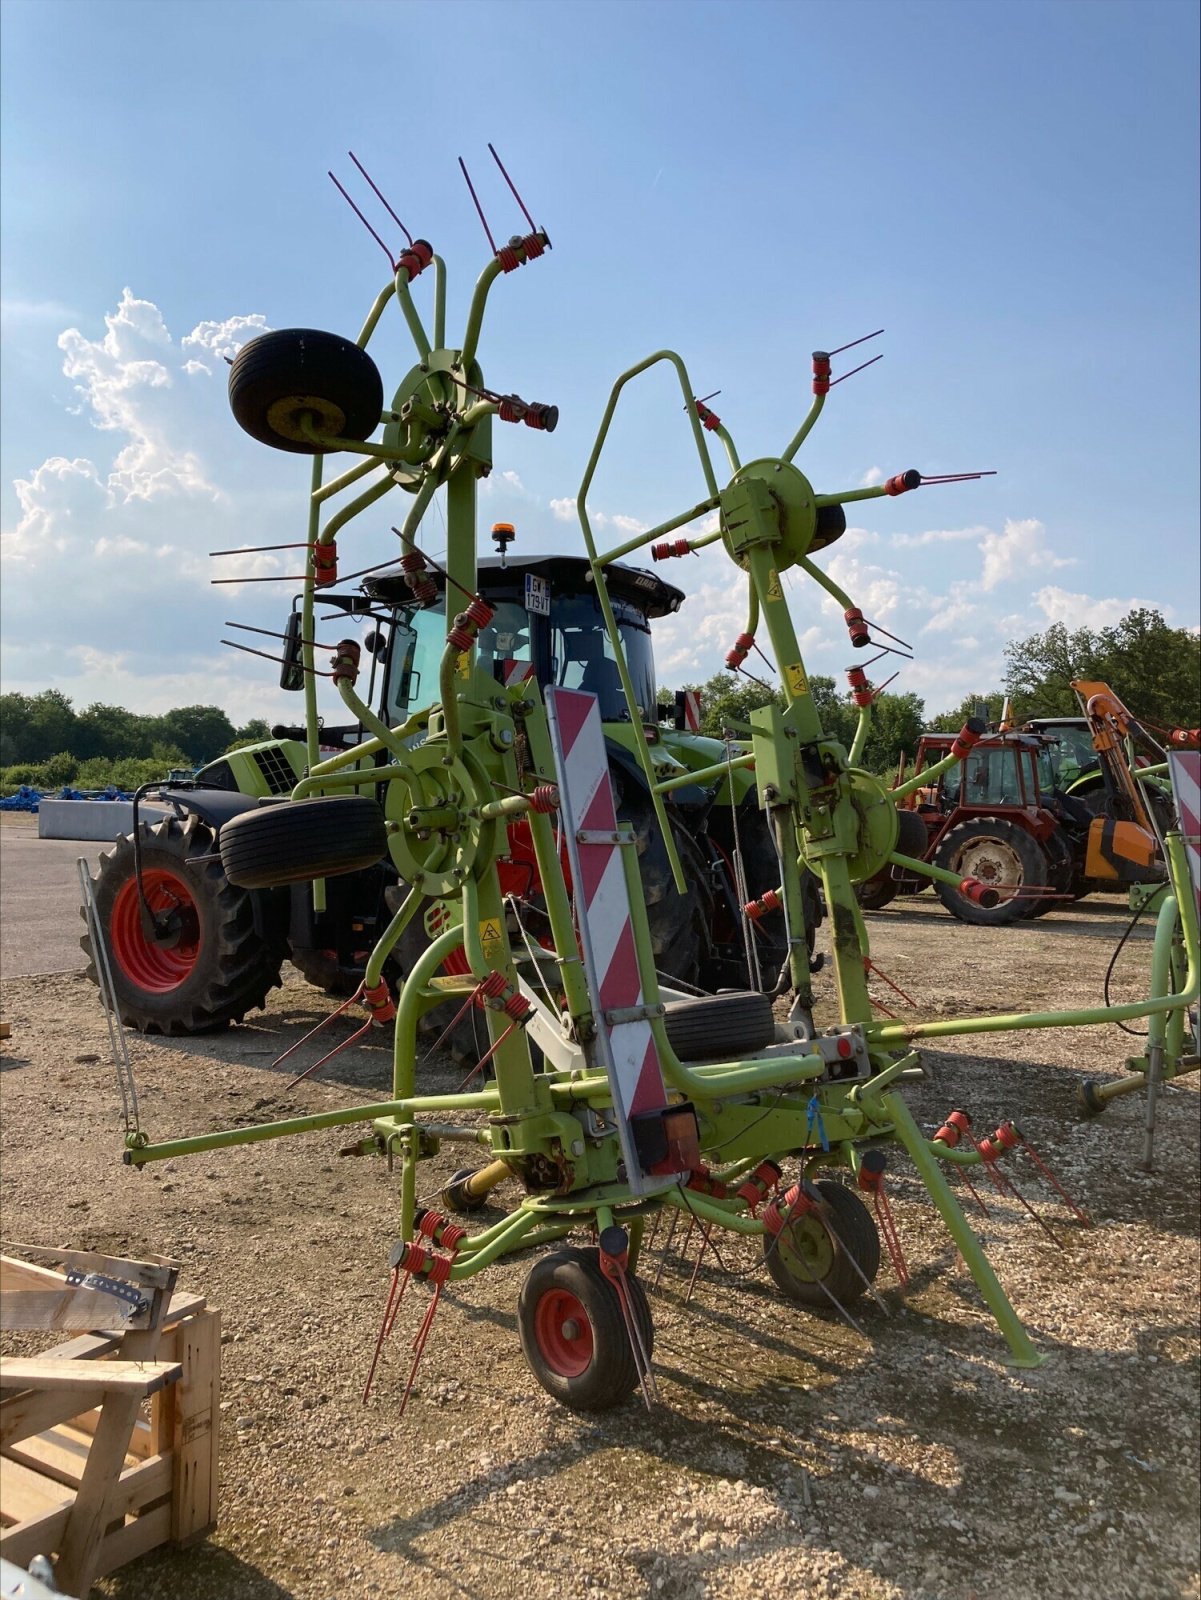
(548, 625)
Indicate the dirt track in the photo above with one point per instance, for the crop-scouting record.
(788, 1454)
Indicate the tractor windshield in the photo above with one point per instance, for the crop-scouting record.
(992, 776)
(418, 639)
(1070, 755)
(582, 655)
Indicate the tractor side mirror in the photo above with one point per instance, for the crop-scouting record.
(291, 675)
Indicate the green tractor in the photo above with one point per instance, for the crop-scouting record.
(191, 952)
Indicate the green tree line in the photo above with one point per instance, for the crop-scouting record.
(46, 743)
(1154, 669)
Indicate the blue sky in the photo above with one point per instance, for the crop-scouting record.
(1009, 190)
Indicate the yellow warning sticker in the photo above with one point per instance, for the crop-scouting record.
(490, 938)
(465, 664)
(774, 591)
(797, 681)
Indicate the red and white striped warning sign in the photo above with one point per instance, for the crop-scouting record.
(603, 910)
(692, 711)
(1185, 771)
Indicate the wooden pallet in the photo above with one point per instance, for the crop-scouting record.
(108, 1443)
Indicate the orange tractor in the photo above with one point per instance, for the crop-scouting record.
(1043, 815)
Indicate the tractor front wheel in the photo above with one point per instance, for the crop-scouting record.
(1000, 855)
(205, 964)
(573, 1332)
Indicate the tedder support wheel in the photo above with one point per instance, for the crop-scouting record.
(719, 1027)
(280, 378)
(812, 1255)
(300, 839)
(573, 1333)
(210, 966)
(1000, 855)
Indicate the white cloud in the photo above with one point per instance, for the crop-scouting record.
(224, 339)
(566, 511)
(193, 367)
(56, 500)
(115, 378)
(1019, 549)
(1083, 610)
(920, 541)
(871, 478)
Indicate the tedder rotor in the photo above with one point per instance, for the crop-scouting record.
(739, 1122)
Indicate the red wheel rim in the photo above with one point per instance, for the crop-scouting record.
(563, 1333)
(158, 968)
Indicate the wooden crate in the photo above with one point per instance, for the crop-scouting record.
(103, 1457)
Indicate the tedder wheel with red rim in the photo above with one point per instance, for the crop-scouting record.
(573, 1332)
(208, 965)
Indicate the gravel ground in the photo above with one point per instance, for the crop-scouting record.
(788, 1452)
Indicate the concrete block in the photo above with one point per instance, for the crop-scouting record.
(103, 820)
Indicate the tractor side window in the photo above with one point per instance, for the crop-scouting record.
(582, 654)
(418, 639)
(990, 778)
(503, 647)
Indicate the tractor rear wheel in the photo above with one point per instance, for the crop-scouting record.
(573, 1333)
(681, 925)
(282, 377)
(1001, 855)
(211, 966)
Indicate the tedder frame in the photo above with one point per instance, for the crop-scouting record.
(608, 1125)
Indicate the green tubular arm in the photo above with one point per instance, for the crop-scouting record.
(924, 777)
(925, 869)
(847, 495)
(374, 970)
(475, 316)
(827, 582)
(312, 742)
(376, 312)
(352, 475)
(137, 1155)
(332, 441)
(405, 301)
(447, 668)
(642, 749)
(404, 1047)
(728, 445)
(664, 527)
(439, 303)
(1161, 1000)
(358, 752)
(802, 433)
(469, 933)
(364, 714)
(704, 775)
(352, 509)
(862, 728)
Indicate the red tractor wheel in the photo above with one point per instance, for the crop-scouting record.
(1001, 855)
(573, 1332)
(205, 965)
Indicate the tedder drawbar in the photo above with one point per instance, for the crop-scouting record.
(635, 1103)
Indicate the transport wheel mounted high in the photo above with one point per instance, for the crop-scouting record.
(301, 839)
(720, 1027)
(1000, 855)
(814, 1254)
(573, 1333)
(280, 378)
(212, 966)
